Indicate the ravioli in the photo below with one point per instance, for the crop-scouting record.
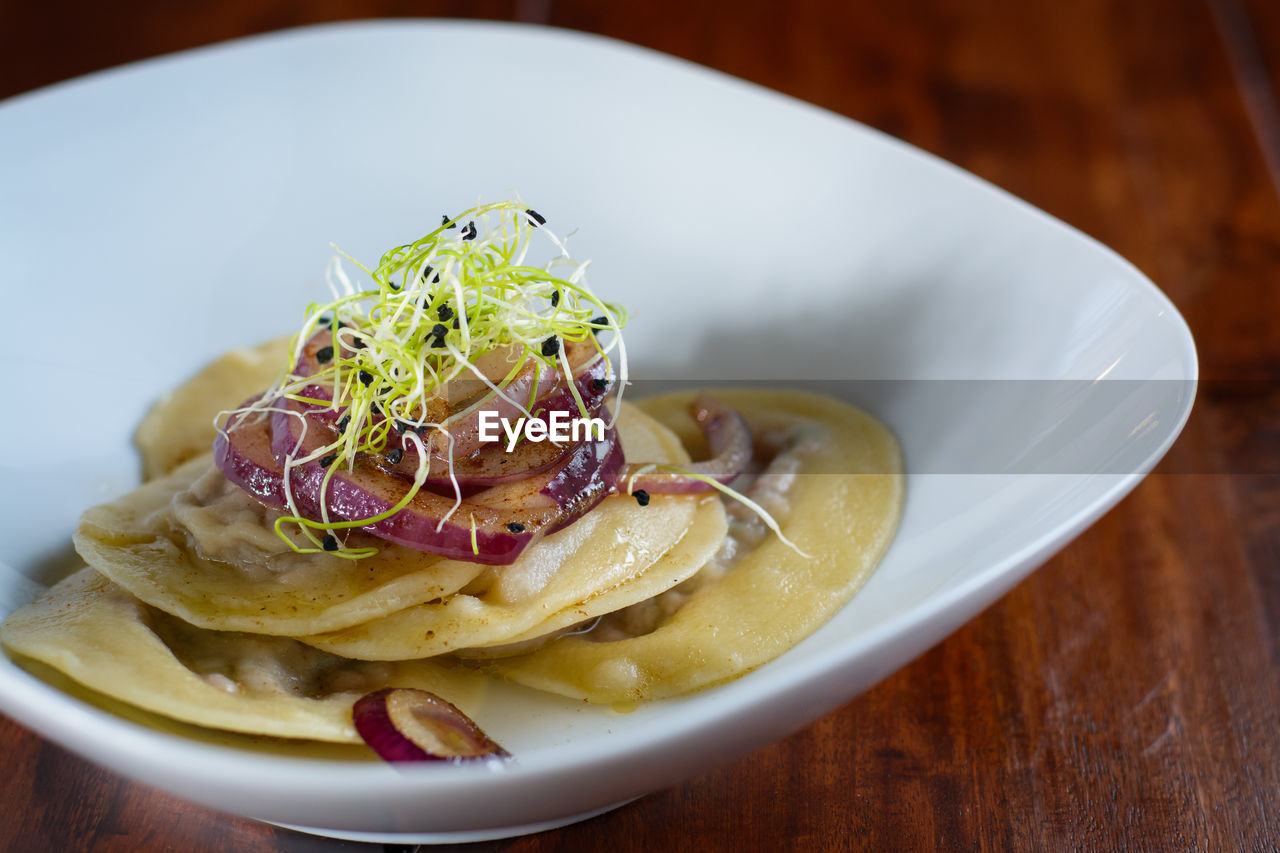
(191, 545)
(608, 551)
(194, 610)
(93, 631)
(268, 589)
(685, 560)
(844, 506)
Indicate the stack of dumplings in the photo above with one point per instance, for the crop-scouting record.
(191, 607)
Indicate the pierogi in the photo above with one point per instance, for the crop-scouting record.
(191, 606)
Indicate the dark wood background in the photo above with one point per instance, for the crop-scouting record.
(1126, 695)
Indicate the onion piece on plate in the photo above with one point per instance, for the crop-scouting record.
(728, 438)
(404, 724)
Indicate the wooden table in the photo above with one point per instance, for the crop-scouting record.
(1126, 695)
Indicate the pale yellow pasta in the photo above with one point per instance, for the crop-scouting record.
(843, 509)
(104, 638)
(682, 562)
(269, 589)
(194, 546)
(613, 547)
(180, 425)
(195, 610)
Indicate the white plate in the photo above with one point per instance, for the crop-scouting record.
(156, 215)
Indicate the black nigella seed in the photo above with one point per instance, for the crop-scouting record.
(439, 330)
(426, 273)
(366, 378)
(469, 233)
(436, 343)
(393, 285)
(324, 354)
(401, 426)
(394, 456)
(599, 383)
(551, 346)
(375, 408)
(456, 321)
(326, 461)
(515, 527)
(599, 321)
(445, 313)
(535, 217)
(358, 343)
(445, 223)
(343, 423)
(641, 496)
(330, 544)
(555, 298)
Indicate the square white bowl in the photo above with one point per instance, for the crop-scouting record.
(156, 215)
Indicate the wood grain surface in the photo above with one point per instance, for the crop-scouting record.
(1126, 695)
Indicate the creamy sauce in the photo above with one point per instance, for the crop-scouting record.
(220, 522)
(237, 662)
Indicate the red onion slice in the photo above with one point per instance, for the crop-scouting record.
(589, 476)
(546, 387)
(491, 464)
(493, 526)
(247, 459)
(729, 440)
(242, 452)
(585, 364)
(403, 724)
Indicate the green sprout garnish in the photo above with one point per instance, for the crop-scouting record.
(436, 307)
(729, 492)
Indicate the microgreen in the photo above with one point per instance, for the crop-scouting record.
(732, 493)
